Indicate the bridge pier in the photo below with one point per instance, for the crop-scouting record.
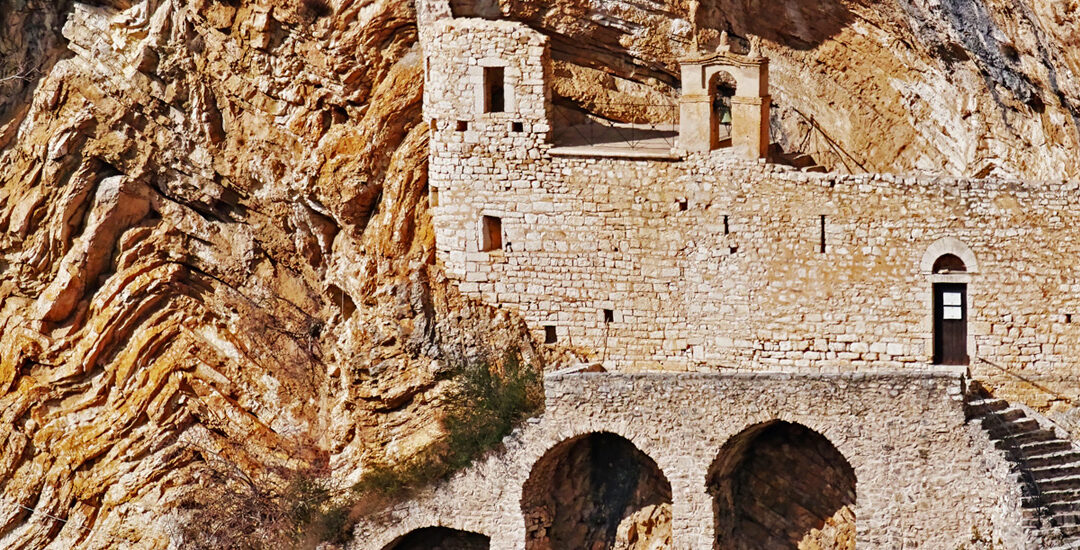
(692, 516)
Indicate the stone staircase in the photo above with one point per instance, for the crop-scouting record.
(1047, 466)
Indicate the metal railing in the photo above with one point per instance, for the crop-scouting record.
(581, 129)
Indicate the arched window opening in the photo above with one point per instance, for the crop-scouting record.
(721, 89)
(442, 538)
(781, 486)
(596, 491)
(949, 263)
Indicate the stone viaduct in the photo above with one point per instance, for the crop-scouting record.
(785, 349)
(924, 477)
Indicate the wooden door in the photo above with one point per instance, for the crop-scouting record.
(950, 324)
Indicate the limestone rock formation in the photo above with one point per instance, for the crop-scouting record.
(215, 238)
(215, 246)
(646, 529)
(960, 87)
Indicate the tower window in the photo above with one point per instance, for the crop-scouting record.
(491, 234)
(494, 90)
(462, 125)
(609, 315)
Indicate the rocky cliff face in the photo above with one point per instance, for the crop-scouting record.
(960, 87)
(215, 240)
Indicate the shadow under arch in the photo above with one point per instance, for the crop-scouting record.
(780, 485)
(593, 490)
(444, 538)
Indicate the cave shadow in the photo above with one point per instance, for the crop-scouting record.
(796, 24)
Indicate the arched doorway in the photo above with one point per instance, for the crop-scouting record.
(950, 313)
(596, 491)
(441, 538)
(722, 86)
(781, 486)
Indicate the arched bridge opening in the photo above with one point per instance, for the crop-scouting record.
(782, 486)
(440, 538)
(596, 491)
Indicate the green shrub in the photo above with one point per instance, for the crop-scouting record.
(483, 408)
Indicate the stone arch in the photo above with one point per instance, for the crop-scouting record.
(781, 485)
(596, 489)
(948, 245)
(443, 538)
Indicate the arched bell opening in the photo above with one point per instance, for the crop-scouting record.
(722, 87)
(782, 486)
(441, 538)
(596, 491)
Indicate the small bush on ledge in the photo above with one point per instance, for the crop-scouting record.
(484, 407)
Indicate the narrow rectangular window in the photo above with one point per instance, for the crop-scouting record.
(727, 230)
(494, 90)
(491, 234)
(434, 200)
(462, 125)
(609, 315)
(549, 335)
(822, 234)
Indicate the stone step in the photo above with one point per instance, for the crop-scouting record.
(1041, 448)
(999, 430)
(1055, 496)
(1010, 414)
(1022, 440)
(1074, 545)
(1059, 484)
(1067, 507)
(1052, 472)
(980, 407)
(1054, 459)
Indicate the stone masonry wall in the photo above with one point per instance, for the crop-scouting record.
(647, 240)
(924, 478)
(711, 263)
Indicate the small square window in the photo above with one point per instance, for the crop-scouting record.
(549, 335)
(462, 125)
(609, 315)
(517, 127)
(491, 234)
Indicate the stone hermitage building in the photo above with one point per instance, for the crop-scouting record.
(785, 349)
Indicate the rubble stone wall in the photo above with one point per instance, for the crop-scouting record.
(924, 478)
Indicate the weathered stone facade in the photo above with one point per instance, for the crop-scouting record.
(925, 478)
(797, 310)
(711, 263)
